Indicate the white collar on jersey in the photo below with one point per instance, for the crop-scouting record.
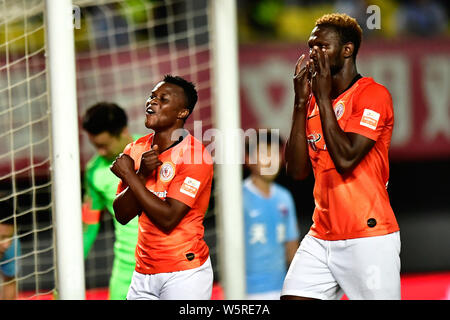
(248, 183)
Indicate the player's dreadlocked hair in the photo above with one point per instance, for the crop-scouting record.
(347, 28)
(188, 88)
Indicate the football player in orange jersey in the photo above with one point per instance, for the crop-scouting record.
(170, 194)
(341, 129)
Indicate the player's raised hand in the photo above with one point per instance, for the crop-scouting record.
(122, 166)
(321, 75)
(302, 88)
(149, 162)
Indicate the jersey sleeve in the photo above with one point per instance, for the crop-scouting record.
(88, 214)
(90, 232)
(292, 231)
(121, 186)
(372, 111)
(93, 198)
(190, 182)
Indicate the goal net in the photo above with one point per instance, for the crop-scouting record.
(25, 180)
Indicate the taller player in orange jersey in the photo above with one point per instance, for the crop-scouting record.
(341, 129)
(166, 180)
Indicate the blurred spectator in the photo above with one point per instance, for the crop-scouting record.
(356, 9)
(110, 26)
(421, 17)
(262, 15)
(290, 20)
(383, 10)
(9, 251)
(271, 230)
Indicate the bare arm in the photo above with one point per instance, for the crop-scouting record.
(166, 214)
(126, 206)
(136, 198)
(298, 164)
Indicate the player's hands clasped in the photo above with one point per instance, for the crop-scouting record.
(122, 166)
(149, 162)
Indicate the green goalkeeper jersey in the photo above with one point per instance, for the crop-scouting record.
(101, 186)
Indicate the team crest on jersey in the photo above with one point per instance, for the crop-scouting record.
(284, 210)
(339, 110)
(166, 172)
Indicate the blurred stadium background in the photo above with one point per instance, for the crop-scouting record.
(124, 47)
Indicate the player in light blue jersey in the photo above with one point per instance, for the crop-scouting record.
(270, 221)
(9, 252)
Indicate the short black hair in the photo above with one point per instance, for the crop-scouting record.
(6, 212)
(105, 116)
(188, 87)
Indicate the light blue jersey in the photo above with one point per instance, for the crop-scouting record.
(8, 261)
(269, 223)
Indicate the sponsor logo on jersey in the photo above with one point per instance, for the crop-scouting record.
(284, 210)
(370, 119)
(160, 194)
(190, 187)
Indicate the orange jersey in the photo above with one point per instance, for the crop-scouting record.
(355, 204)
(185, 175)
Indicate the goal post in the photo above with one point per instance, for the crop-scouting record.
(65, 150)
(229, 174)
(28, 193)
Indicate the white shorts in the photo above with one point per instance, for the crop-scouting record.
(270, 295)
(192, 284)
(363, 268)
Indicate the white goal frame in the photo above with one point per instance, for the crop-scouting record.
(229, 175)
(65, 150)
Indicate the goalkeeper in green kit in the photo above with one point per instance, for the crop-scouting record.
(106, 126)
